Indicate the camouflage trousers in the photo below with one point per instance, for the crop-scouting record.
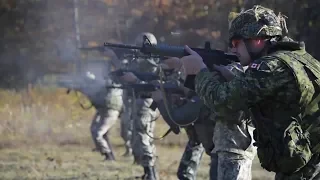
(233, 153)
(310, 172)
(200, 141)
(190, 161)
(100, 126)
(230, 166)
(231, 159)
(144, 149)
(126, 123)
(223, 166)
(106, 117)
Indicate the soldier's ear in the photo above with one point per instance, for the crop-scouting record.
(258, 42)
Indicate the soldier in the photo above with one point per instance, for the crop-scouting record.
(230, 147)
(104, 119)
(280, 87)
(191, 157)
(107, 115)
(144, 149)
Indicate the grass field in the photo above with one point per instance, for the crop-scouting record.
(45, 135)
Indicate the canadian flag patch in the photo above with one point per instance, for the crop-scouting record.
(255, 66)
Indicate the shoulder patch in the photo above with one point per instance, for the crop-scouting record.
(261, 66)
(255, 65)
(265, 63)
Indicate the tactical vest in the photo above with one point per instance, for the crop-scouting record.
(291, 149)
(301, 62)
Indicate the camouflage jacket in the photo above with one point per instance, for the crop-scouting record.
(278, 88)
(268, 81)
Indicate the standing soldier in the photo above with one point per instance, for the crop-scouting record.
(107, 115)
(144, 148)
(280, 87)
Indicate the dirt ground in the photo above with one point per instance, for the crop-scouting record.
(80, 162)
(45, 135)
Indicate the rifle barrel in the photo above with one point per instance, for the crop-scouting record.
(124, 46)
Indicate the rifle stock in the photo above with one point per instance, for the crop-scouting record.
(77, 83)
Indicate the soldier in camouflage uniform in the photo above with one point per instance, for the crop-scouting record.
(280, 87)
(230, 147)
(108, 113)
(105, 117)
(144, 149)
(191, 157)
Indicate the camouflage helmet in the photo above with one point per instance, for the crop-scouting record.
(150, 36)
(256, 22)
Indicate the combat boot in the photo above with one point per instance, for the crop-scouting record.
(149, 173)
(128, 153)
(109, 156)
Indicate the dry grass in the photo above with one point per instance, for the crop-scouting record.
(42, 137)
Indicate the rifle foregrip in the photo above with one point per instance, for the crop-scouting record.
(165, 50)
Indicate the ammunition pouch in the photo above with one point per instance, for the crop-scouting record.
(281, 150)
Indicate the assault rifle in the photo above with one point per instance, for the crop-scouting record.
(143, 76)
(210, 56)
(121, 53)
(168, 87)
(87, 83)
